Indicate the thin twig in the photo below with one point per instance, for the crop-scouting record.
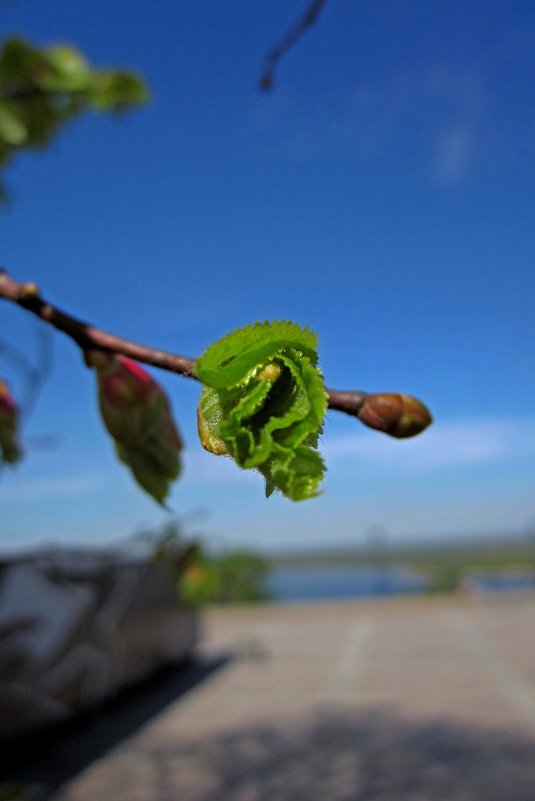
(348, 401)
(19, 360)
(33, 375)
(89, 337)
(289, 39)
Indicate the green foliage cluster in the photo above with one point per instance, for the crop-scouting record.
(263, 404)
(235, 577)
(43, 89)
(201, 578)
(447, 566)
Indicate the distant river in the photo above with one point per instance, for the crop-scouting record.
(496, 582)
(332, 582)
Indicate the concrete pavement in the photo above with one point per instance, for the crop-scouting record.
(392, 700)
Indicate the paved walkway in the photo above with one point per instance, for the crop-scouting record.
(407, 700)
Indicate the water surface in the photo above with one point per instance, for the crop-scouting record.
(338, 582)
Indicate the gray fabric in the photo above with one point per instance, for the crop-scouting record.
(77, 626)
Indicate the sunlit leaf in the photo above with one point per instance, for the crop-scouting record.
(263, 404)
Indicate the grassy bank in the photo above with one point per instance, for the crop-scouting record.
(446, 565)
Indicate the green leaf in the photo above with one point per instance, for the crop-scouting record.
(153, 466)
(229, 360)
(117, 91)
(41, 90)
(263, 404)
(12, 130)
(66, 71)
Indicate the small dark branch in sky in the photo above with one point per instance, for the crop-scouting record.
(16, 358)
(42, 369)
(290, 38)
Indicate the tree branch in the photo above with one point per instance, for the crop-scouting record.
(290, 38)
(89, 337)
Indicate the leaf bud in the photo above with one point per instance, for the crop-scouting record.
(30, 290)
(10, 451)
(270, 372)
(124, 384)
(137, 414)
(396, 414)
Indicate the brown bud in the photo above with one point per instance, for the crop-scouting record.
(396, 414)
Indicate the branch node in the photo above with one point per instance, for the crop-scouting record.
(97, 358)
(29, 290)
(396, 414)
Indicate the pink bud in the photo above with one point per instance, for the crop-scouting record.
(136, 412)
(124, 383)
(125, 392)
(9, 420)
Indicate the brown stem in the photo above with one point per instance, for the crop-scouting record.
(89, 337)
(349, 401)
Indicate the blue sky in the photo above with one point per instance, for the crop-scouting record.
(383, 194)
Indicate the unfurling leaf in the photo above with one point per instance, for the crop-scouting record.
(10, 451)
(399, 415)
(136, 412)
(263, 404)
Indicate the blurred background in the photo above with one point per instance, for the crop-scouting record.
(381, 193)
